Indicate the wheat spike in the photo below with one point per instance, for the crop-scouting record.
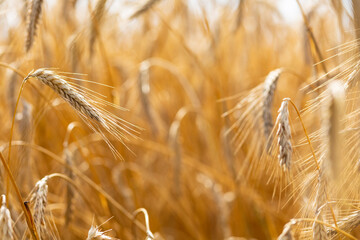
(6, 229)
(348, 223)
(287, 232)
(88, 108)
(39, 199)
(268, 96)
(97, 16)
(146, 6)
(284, 136)
(34, 11)
(95, 234)
(319, 230)
(61, 87)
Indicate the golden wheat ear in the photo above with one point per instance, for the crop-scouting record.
(95, 233)
(33, 16)
(143, 8)
(284, 136)
(6, 223)
(90, 108)
(39, 199)
(268, 97)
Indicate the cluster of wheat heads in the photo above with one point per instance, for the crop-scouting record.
(179, 120)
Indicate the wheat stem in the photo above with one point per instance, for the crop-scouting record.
(31, 226)
(12, 131)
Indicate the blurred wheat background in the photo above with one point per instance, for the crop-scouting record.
(174, 119)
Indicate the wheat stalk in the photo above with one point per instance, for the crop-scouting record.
(333, 115)
(26, 131)
(149, 234)
(69, 191)
(144, 91)
(34, 11)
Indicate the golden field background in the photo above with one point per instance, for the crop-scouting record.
(193, 80)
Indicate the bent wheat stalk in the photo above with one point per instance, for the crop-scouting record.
(149, 234)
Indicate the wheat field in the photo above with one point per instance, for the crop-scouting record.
(174, 119)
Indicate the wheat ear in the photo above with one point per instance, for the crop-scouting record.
(92, 111)
(61, 87)
(319, 230)
(348, 224)
(284, 136)
(97, 16)
(6, 229)
(34, 11)
(96, 234)
(268, 97)
(39, 199)
(287, 233)
(146, 6)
